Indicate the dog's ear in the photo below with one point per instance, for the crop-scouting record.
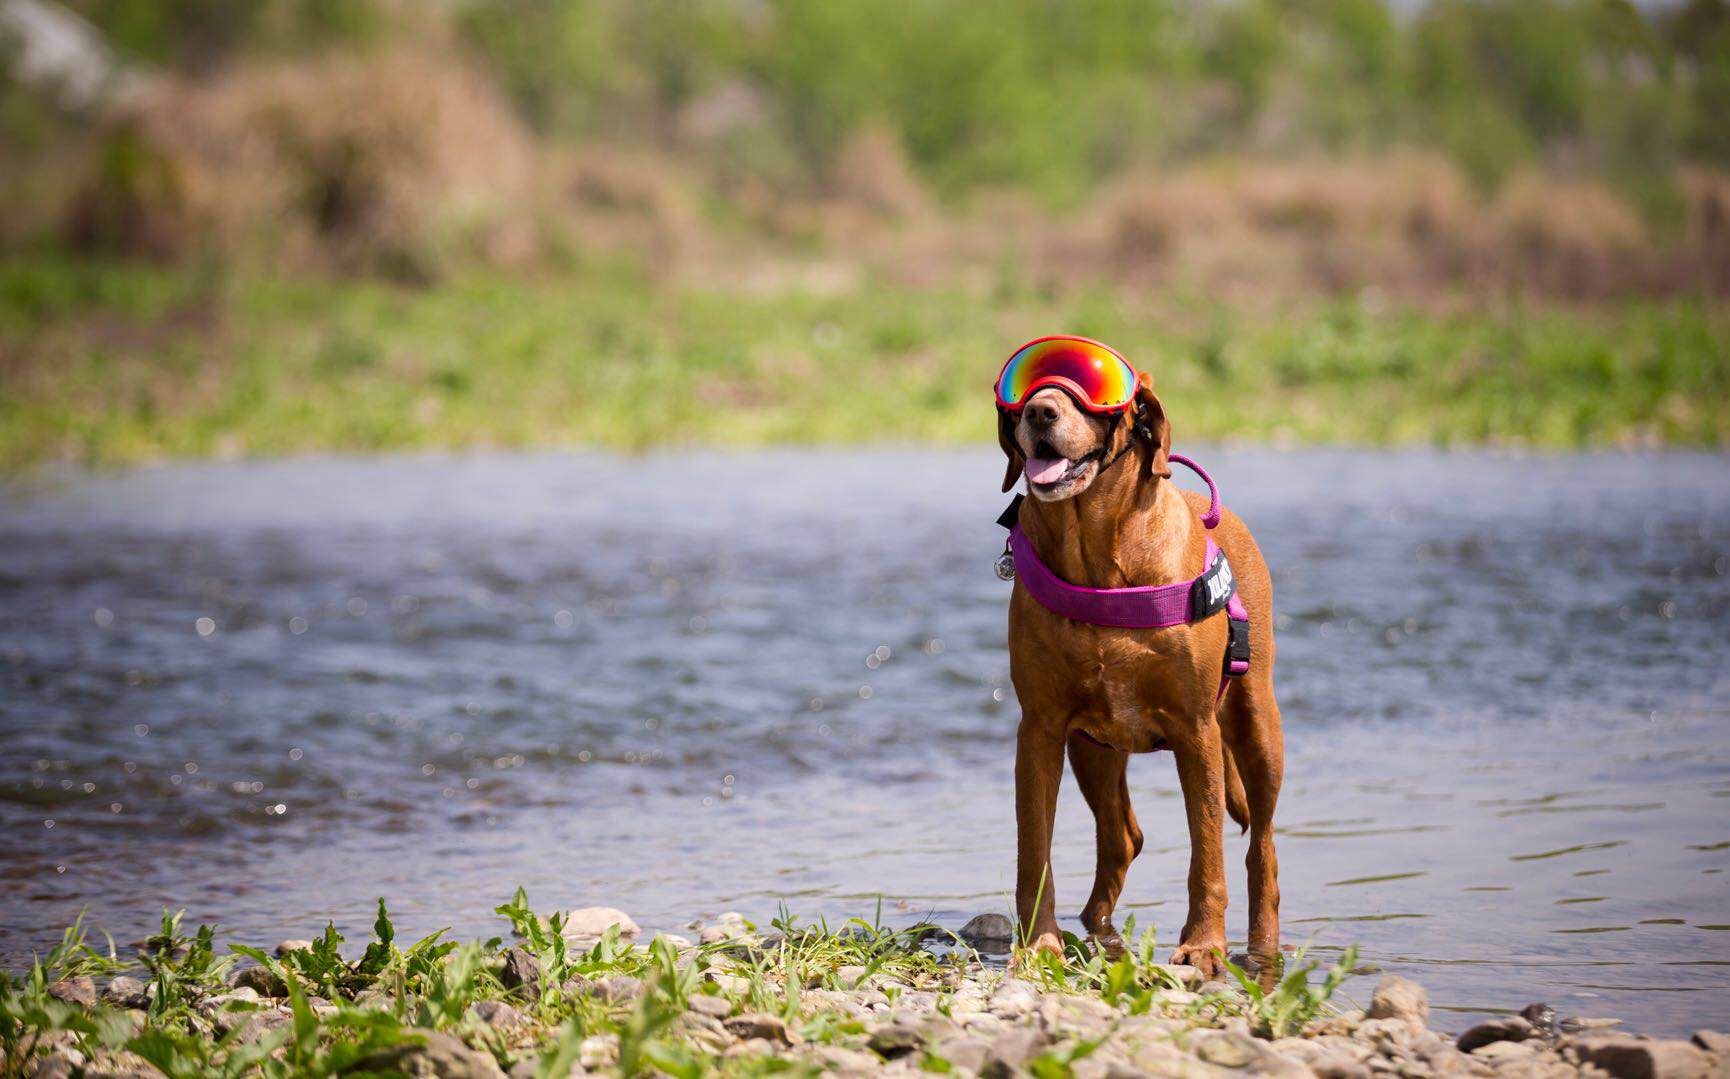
(1149, 412)
(1006, 439)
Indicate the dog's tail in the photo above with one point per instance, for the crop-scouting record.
(1236, 802)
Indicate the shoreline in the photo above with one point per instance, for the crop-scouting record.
(588, 992)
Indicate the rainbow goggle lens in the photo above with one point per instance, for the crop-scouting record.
(1099, 379)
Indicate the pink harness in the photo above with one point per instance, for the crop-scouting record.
(1149, 606)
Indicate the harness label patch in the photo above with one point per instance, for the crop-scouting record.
(1212, 590)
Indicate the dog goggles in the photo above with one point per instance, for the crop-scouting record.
(1098, 378)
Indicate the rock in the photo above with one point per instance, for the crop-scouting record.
(1542, 1017)
(252, 1025)
(729, 983)
(989, 933)
(1503, 1053)
(704, 1032)
(1712, 1041)
(1338, 1066)
(713, 1007)
(286, 946)
(617, 989)
(758, 1025)
(1390, 1031)
(589, 924)
(838, 1060)
(497, 1014)
(1240, 1051)
(895, 1041)
(80, 990)
(850, 976)
(598, 1051)
(260, 980)
(729, 926)
(522, 972)
(244, 996)
(964, 1051)
(716, 934)
(125, 992)
(751, 1047)
(679, 943)
(1400, 998)
(1010, 1051)
(1013, 999)
(1179, 974)
(1634, 1058)
(1510, 1029)
(437, 1056)
(58, 1065)
(1576, 1024)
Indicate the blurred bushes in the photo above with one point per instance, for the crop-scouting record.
(1570, 146)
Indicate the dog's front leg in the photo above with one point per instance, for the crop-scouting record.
(1201, 772)
(1038, 772)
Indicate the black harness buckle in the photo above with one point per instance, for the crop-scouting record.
(1237, 650)
(1212, 590)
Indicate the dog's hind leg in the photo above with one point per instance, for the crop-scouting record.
(1250, 722)
(1102, 774)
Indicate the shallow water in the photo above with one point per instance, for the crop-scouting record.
(270, 693)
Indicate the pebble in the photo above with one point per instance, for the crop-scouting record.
(260, 980)
(498, 1015)
(992, 933)
(714, 1007)
(1713, 1041)
(437, 1054)
(895, 1040)
(1637, 1058)
(1513, 1028)
(1542, 1017)
(125, 991)
(598, 1051)
(522, 971)
(759, 1025)
(1013, 998)
(80, 990)
(963, 1051)
(284, 947)
(591, 923)
(1400, 998)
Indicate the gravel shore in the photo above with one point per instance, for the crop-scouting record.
(583, 993)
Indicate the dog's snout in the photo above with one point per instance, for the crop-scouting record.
(1042, 414)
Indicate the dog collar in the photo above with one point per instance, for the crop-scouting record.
(1140, 607)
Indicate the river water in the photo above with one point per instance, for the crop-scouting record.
(270, 693)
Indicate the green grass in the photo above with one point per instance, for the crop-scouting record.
(114, 364)
(351, 1016)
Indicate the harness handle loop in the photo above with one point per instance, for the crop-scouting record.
(1211, 517)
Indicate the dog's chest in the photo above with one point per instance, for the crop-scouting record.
(1114, 684)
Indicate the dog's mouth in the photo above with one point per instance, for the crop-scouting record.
(1048, 469)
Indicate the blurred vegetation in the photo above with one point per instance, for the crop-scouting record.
(135, 365)
(1056, 96)
(313, 224)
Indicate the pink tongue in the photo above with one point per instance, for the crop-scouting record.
(1044, 470)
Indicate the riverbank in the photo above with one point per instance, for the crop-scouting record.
(587, 992)
(112, 364)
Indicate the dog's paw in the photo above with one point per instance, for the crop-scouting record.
(1026, 958)
(1205, 955)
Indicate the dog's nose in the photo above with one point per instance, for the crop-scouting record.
(1041, 414)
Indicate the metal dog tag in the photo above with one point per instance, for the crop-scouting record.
(1005, 566)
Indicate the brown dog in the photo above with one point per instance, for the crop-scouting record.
(1104, 693)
